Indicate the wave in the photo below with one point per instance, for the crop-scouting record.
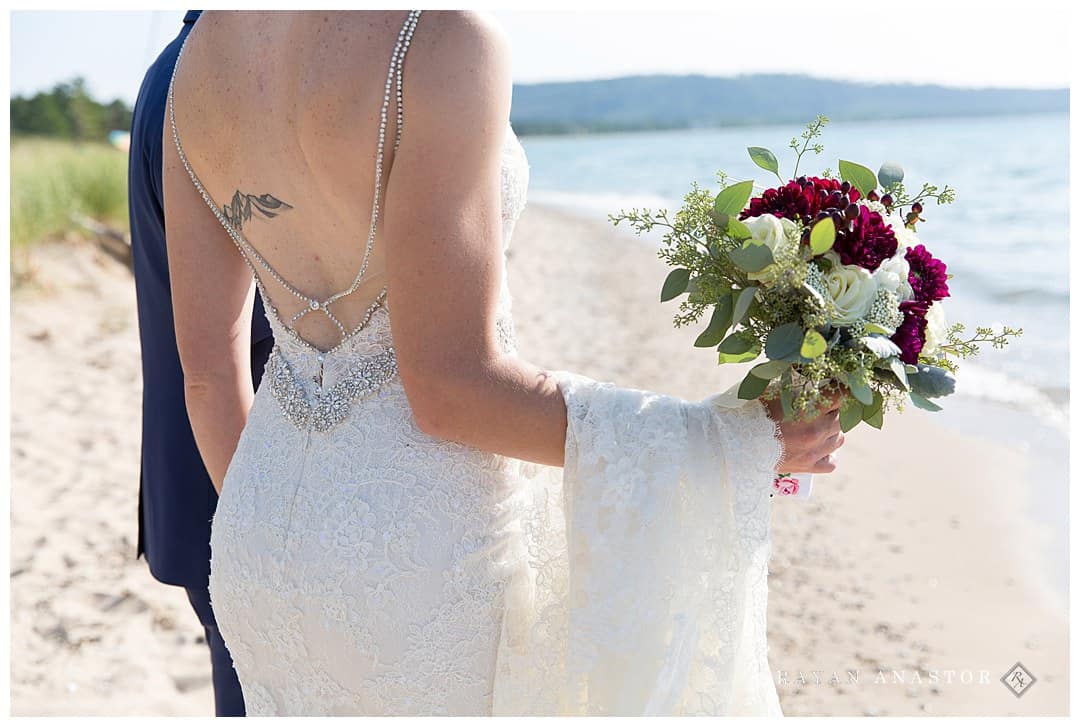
(1049, 405)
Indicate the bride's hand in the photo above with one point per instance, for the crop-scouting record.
(809, 446)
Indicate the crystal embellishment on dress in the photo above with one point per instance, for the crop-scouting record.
(330, 406)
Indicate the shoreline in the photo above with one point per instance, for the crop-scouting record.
(797, 122)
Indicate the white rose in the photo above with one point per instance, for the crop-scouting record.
(778, 235)
(892, 275)
(767, 229)
(852, 289)
(937, 329)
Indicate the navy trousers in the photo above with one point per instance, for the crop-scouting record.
(228, 699)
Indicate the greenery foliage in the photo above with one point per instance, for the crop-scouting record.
(68, 112)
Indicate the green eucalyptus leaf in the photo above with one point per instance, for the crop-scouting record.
(733, 199)
(813, 345)
(881, 347)
(737, 229)
(769, 370)
(752, 387)
(764, 158)
(860, 177)
(742, 304)
(784, 342)
(860, 389)
(889, 174)
(876, 419)
(932, 381)
(922, 402)
(718, 324)
(875, 328)
(850, 414)
(897, 367)
(822, 236)
(874, 407)
(739, 347)
(675, 284)
(751, 258)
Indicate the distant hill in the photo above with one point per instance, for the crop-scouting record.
(672, 102)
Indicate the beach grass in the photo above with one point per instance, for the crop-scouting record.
(53, 181)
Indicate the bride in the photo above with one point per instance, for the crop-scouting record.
(414, 520)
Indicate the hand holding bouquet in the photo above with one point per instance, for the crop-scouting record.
(828, 278)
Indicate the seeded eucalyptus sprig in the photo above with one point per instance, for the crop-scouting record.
(813, 131)
(966, 348)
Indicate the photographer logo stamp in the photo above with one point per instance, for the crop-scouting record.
(1018, 679)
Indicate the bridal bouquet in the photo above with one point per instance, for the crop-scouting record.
(825, 275)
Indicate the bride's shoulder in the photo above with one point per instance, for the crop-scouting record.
(455, 43)
(456, 58)
(462, 29)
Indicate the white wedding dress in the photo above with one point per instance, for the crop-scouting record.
(362, 567)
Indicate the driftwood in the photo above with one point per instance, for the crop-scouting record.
(111, 241)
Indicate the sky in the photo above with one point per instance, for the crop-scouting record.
(955, 43)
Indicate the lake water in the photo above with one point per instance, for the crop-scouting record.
(1005, 240)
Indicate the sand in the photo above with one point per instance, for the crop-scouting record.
(913, 569)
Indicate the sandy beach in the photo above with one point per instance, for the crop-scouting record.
(909, 583)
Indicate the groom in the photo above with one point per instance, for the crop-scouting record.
(176, 497)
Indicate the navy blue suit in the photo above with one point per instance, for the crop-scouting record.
(176, 496)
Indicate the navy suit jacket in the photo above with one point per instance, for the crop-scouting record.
(176, 496)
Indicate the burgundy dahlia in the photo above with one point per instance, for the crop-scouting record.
(910, 335)
(868, 242)
(927, 277)
(803, 201)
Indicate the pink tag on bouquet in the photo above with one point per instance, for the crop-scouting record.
(797, 486)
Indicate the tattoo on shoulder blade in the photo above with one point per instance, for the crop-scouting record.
(242, 206)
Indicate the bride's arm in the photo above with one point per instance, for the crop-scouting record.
(443, 232)
(442, 228)
(212, 297)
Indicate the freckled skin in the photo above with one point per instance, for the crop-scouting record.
(299, 124)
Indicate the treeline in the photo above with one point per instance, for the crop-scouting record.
(696, 101)
(67, 112)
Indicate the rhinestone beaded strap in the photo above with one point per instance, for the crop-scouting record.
(248, 250)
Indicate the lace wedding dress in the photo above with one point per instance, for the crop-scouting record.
(362, 567)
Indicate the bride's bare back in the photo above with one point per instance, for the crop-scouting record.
(279, 115)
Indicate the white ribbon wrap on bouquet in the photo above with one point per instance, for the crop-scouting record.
(641, 587)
